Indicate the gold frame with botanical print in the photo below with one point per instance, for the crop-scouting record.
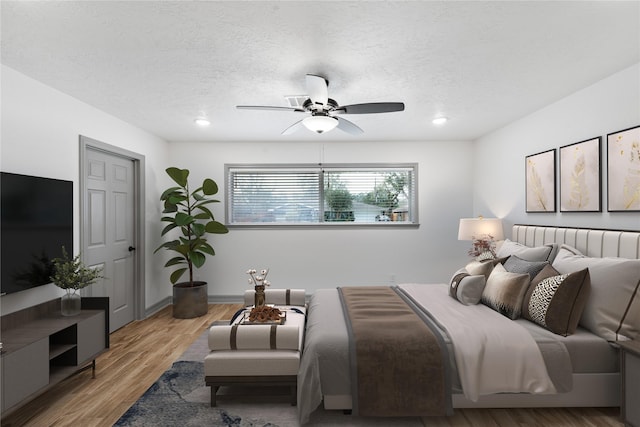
(580, 177)
(540, 182)
(623, 170)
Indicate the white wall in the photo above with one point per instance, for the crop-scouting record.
(329, 257)
(456, 179)
(610, 105)
(40, 136)
(310, 258)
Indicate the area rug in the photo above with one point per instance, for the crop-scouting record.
(180, 398)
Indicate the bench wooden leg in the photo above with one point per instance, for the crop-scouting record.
(214, 390)
(294, 395)
(215, 382)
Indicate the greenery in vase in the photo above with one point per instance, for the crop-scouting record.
(71, 274)
(188, 212)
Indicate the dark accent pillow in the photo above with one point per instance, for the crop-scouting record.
(556, 301)
(466, 288)
(516, 264)
(505, 291)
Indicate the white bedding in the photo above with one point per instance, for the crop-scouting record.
(325, 370)
(493, 354)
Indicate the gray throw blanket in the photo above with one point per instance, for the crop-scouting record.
(399, 364)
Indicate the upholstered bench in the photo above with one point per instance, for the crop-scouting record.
(258, 353)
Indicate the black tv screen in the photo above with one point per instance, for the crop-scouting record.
(36, 221)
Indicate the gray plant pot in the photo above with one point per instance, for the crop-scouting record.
(189, 300)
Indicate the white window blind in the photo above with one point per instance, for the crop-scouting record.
(320, 195)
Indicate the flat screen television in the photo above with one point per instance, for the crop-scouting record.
(36, 221)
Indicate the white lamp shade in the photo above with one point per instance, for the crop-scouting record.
(320, 124)
(471, 228)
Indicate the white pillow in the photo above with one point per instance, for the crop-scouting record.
(613, 308)
(253, 337)
(278, 297)
(539, 253)
(485, 267)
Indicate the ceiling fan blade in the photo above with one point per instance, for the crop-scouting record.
(317, 88)
(267, 107)
(349, 127)
(293, 128)
(371, 108)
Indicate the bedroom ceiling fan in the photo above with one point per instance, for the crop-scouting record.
(323, 111)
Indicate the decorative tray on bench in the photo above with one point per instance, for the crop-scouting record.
(245, 320)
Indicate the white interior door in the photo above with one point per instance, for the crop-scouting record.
(109, 211)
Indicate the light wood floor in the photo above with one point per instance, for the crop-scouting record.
(141, 351)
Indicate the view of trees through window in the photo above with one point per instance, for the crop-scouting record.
(366, 196)
(285, 195)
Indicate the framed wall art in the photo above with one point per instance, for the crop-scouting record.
(623, 170)
(540, 182)
(580, 178)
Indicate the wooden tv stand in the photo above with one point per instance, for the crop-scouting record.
(41, 347)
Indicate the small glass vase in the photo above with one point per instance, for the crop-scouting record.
(259, 296)
(70, 304)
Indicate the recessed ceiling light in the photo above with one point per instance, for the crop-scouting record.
(439, 120)
(202, 121)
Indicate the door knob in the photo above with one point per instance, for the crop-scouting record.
(131, 249)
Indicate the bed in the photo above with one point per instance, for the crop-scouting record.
(582, 368)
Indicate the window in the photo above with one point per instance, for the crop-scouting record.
(321, 194)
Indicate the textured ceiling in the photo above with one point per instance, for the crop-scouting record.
(159, 64)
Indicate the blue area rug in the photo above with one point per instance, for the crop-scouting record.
(180, 398)
(170, 401)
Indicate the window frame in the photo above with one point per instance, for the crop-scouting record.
(320, 167)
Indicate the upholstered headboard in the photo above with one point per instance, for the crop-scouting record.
(591, 242)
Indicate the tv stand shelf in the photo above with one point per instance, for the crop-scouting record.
(57, 350)
(41, 347)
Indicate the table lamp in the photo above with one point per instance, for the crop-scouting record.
(483, 232)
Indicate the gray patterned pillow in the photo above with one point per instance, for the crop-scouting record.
(505, 291)
(556, 301)
(485, 256)
(516, 264)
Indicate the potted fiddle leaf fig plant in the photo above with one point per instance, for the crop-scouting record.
(187, 211)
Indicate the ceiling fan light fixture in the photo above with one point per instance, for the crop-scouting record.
(320, 123)
(321, 109)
